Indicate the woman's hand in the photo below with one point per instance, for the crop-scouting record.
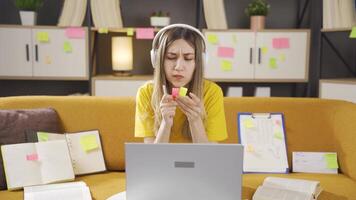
(191, 106)
(168, 109)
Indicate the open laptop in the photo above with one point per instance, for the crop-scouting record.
(183, 171)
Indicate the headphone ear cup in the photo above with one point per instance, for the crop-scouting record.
(153, 58)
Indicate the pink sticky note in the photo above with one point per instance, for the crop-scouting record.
(281, 43)
(75, 32)
(175, 92)
(144, 33)
(32, 157)
(226, 52)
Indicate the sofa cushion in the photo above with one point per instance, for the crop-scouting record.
(14, 123)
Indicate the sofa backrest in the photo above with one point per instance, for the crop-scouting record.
(310, 123)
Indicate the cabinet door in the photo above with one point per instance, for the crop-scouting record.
(56, 55)
(117, 87)
(282, 56)
(230, 55)
(15, 52)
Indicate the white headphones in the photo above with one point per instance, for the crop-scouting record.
(153, 51)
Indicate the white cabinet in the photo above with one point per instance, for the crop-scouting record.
(43, 53)
(106, 85)
(341, 89)
(270, 55)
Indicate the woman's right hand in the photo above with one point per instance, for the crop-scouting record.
(168, 109)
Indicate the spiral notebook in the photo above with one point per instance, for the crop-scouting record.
(264, 140)
(84, 148)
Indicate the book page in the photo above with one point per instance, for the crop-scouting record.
(68, 193)
(86, 152)
(267, 193)
(264, 143)
(57, 186)
(299, 185)
(22, 166)
(56, 164)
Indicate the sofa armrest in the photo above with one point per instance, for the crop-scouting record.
(345, 138)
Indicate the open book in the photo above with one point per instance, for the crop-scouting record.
(30, 164)
(84, 148)
(67, 191)
(274, 188)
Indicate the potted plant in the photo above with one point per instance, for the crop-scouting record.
(28, 10)
(257, 10)
(160, 19)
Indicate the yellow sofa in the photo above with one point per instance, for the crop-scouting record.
(311, 125)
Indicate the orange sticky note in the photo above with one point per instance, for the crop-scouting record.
(249, 148)
(75, 32)
(226, 52)
(281, 43)
(32, 157)
(88, 142)
(144, 33)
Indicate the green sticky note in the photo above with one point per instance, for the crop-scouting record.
(42, 37)
(353, 32)
(42, 136)
(234, 39)
(282, 57)
(226, 65)
(264, 50)
(88, 142)
(130, 31)
(331, 161)
(248, 123)
(183, 91)
(272, 63)
(103, 30)
(212, 38)
(278, 135)
(67, 47)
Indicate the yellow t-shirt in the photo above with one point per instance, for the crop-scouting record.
(215, 124)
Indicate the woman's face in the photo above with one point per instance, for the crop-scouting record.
(179, 63)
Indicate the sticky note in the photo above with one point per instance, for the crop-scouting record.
(278, 135)
(353, 32)
(234, 39)
(42, 37)
(226, 65)
(32, 157)
(280, 43)
(48, 60)
(88, 142)
(264, 50)
(183, 91)
(42, 136)
(250, 149)
(272, 63)
(248, 123)
(75, 32)
(144, 33)
(226, 52)
(278, 122)
(282, 57)
(331, 161)
(67, 47)
(103, 30)
(212, 38)
(130, 31)
(175, 92)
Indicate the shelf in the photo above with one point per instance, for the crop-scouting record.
(339, 80)
(38, 26)
(325, 30)
(44, 78)
(133, 77)
(123, 30)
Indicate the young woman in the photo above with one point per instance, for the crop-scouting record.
(177, 55)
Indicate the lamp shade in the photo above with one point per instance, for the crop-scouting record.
(121, 53)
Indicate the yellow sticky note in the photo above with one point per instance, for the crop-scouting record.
(67, 47)
(212, 38)
(272, 63)
(130, 31)
(88, 142)
(331, 161)
(264, 50)
(42, 136)
(183, 91)
(353, 32)
(226, 65)
(282, 57)
(248, 123)
(278, 135)
(249, 148)
(234, 39)
(103, 30)
(42, 37)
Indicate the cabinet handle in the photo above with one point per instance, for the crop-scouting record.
(250, 55)
(36, 52)
(27, 53)
(259, 55)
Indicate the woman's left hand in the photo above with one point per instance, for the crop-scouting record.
(191, 106)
